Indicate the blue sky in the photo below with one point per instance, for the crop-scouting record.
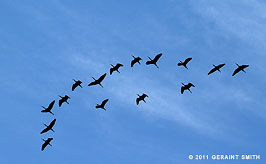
(44, 45)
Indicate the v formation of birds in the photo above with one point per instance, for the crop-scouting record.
(115, 68)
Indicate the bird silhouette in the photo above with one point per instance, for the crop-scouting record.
(135, 60)
(216, 68)
(63, 99)
(102, 104)
(186, 87)
(240, 68)
(98, 81)
(46, 142)
(184, 63)
(77, 83)
(141, 98)
(49, 127)
(115, 68)
(154, 61)
(49, 108)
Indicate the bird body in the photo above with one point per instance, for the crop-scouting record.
(49, 127)
(184, 63)
(49, 108)
(115, 68)
(239, 68)
(76, 84)
(141, 98)
(98, 81)
(135, 60)
(102, 104)
(46, 142)
(154, 61)
(63, 99)
(216, 68)
(186, 87)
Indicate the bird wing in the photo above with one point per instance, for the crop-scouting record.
(220, 65)
(60, 102)
(52, 123)
(102, 77)
(182, 89)
(92, 83)
(211, 71)
(133, 62)
(104, 102)
(74, 86)
(119, 65)
(44, 145)
(111, 70)
(157, 57)
(51, 105)
(44, 130)
(236, 71)
(138, 100)
(149, 62)
(187, 60)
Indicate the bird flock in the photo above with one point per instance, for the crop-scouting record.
(77, 83)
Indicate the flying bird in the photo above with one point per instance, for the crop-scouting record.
(49, 108)
(63, 99)
(115, 68)
(240, 68)
(184, 63)
(98, 81)
(141, 98)
(76, 84)
(102, 104)
(46, 142)
(186, 87)
(49, 127)
(135, 60)
(154, 61)
(216, 68)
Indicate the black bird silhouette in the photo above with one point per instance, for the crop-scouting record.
(98, 81)
(63, 99)
(240, 68)
(184, 63)
(186, 87)
(46, 142)
(49, 108)
(141, 98)
(48, 127)
(77, 83)
(102, 104)
(216, 68)
(115, 68)
(135, 60)
(154, 61)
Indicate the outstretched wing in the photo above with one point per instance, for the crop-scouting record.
(44, 130)
(157, 57)
(211, 71)
(236, 71)
(182, 89)
(60, 102)
(187, 60)
(51, 105)
(119, 65)
(92, 83)
(101, 78)
(138, 100)
(44, 145)
(220, 65)
(104, 102)
(52, 123)
(190, 85)
(133, 62)
(111, 70)
(74, 86)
